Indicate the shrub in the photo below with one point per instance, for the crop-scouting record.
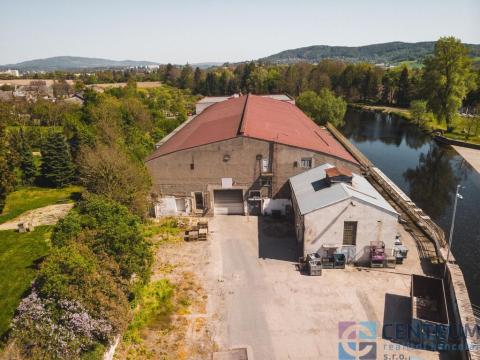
(74, 273)
(112, 230)
(46, 329)
(154, 305)
(419, 113)
(109, 171)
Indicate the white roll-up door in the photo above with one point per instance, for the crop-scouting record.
(228, 202)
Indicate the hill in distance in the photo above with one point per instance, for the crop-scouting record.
(387, 53)
(73, 63)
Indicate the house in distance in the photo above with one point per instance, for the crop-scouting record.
(236, 157)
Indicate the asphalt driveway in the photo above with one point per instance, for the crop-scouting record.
(266, 305)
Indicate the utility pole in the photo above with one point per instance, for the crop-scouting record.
(452, 226)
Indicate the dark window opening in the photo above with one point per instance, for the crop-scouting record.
(254, 194)
(199, 204)
(350, 233)
(306, 163)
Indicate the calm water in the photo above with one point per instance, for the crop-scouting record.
(429, 173)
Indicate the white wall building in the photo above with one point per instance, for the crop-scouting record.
(12, 72)
(335, 209)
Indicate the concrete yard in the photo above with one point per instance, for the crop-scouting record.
(262, 302)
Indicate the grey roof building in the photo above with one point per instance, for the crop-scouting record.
(313, 192)
(339, 211)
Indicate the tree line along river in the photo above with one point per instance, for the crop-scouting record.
(428, 173)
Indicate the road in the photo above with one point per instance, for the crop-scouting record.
(264, 304)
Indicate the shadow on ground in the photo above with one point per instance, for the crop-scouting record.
(276, 239)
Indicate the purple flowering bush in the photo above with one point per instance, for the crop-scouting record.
(45, 328)
(81, 299)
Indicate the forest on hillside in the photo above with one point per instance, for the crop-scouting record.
(386, 53)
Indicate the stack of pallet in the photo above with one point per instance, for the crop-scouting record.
(198, 231)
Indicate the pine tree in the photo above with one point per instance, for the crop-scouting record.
(403, 94)
(197, 81)
(7, 178)
(27, 164)
(57, 165)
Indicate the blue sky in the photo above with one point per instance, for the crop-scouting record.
(220, 30)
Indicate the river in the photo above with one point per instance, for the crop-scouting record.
(428, 172)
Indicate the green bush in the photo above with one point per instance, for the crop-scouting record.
(154, 306)
(75, 273)
(114, 232)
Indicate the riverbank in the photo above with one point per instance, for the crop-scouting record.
(381, 150)
(429, 126)
(472, 156)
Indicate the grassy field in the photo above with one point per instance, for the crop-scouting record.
(19, 256)
(34, 197)
(459, 123)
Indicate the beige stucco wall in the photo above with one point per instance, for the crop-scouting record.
(325, 226)
(283, 165)
(172, 174)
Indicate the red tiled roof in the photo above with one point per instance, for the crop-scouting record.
(256, 117)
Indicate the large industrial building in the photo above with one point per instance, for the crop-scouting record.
(236, 157)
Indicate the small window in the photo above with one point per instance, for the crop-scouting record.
(199, 201)
(254, 194)
(350, 233)
(306, 163)
(265, 165)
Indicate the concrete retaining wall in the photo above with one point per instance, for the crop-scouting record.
(462, 307)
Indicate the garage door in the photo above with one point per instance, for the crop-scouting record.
(228, 202)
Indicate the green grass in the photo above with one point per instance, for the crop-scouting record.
(154, 308)
(19, 257)
(410, 63)
(35, 197)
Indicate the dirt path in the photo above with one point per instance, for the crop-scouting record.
(189, 333)
(48, 215)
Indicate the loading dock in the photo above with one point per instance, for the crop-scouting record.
(228, 202)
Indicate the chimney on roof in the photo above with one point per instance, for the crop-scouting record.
(338, 175)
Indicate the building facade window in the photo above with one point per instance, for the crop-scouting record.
(265, 166)
(254, 194)
(350, 233)
(306, 163)
(266, 182)
(199, 203)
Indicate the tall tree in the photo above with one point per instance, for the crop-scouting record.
(448, 77)
(197, 81)
(324, 107)
(110, 172)
(27, 164)
(186, 77)
(404, 92)
(57, 165)
(7, 178)
(389, 87)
